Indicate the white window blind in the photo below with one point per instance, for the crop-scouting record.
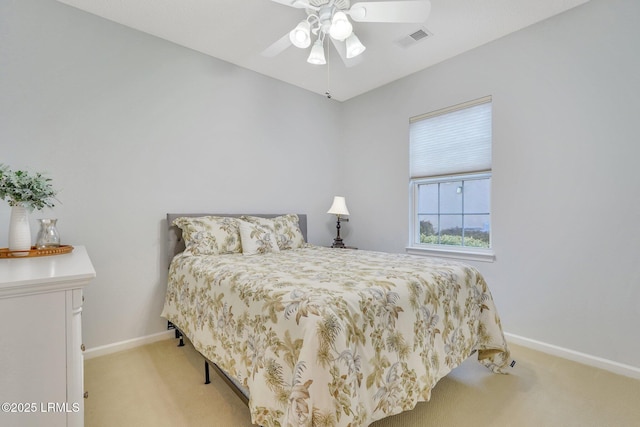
(451, 141)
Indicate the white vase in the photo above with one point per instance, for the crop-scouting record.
(19, 230)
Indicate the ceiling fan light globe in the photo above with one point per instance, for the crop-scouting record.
(300, 36)
(316, 56)
(341, 28)
(354, 46)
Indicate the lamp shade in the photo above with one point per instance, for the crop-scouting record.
(300, 36)
(354, 47)
(341, 28)
(339, 206)
(317, 54)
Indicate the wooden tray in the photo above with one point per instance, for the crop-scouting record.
(33, 252)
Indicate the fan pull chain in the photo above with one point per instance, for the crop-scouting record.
(328, 93)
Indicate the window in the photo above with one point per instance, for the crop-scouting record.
(450, 182)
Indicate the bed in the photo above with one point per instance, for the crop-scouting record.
(315, 336)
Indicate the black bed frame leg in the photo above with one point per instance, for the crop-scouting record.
(179, 335)
(206, 373)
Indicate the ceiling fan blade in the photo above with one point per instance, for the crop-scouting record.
(278, 47)
(342, 51)
(298, 4)
(416, 11)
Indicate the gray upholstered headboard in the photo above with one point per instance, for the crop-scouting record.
(176, 243)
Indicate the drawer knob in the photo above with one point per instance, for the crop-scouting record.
(82, 347)
(86, 394)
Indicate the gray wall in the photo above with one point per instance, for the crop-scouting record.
(566, 211)
(114, 114)
(131, 127)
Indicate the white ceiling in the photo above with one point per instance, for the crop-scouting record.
(238, 31)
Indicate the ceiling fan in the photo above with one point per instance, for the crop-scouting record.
(330, 19)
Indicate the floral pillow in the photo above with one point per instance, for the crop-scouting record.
(285, 227)
(257, 239)
(210, 235)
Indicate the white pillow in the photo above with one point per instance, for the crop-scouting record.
(257, 239)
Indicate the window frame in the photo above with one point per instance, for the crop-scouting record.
(448, 251)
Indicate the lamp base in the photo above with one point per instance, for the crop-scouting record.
(337, 243)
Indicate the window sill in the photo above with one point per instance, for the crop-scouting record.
(467, 254)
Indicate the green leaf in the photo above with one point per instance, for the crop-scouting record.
(34, 191)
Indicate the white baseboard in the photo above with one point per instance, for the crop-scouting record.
(126, 345)
(576, 356)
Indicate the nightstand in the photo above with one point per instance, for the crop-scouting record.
(42, 350)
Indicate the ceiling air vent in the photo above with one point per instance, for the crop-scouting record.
(415, 37)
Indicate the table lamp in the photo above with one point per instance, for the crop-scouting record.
(338, 208)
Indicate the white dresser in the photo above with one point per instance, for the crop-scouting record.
(41, 360)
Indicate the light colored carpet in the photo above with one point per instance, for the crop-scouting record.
(163, 385)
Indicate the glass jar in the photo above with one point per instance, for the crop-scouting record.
(48, 236)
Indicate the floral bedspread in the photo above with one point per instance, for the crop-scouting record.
(331, 337)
